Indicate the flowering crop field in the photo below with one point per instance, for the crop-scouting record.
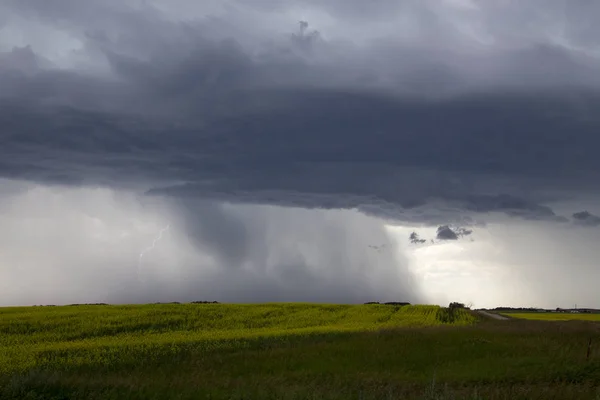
(289, 351)
(70, 336)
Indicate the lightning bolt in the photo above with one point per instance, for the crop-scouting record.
(147, 249)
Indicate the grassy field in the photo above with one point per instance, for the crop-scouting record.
(290, 351)
(555, 316)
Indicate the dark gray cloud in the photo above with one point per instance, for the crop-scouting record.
(586, 218)
(513, 206)
(269, 158)
(414, 238)
(446, 233)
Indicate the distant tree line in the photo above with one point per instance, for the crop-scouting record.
(524, 309)
(205, 302)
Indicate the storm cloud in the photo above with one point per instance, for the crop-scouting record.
(237, 118)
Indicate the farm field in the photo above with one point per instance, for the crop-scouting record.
(290, 351)
(550, 316)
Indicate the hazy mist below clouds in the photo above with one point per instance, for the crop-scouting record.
(508, 263)
(62, 245)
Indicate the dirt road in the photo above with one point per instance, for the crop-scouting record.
(493, 315)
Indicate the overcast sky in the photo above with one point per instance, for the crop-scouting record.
(285, 150)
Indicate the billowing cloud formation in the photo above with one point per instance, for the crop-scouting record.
(433, 112)
(264, 115)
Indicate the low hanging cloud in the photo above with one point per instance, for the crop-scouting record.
(445, 233)
(431, 113)
(586, 218)
(414, 238)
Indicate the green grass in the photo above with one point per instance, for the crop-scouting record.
(555, 316)
(290, 351)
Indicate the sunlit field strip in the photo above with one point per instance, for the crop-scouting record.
(555, 316)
